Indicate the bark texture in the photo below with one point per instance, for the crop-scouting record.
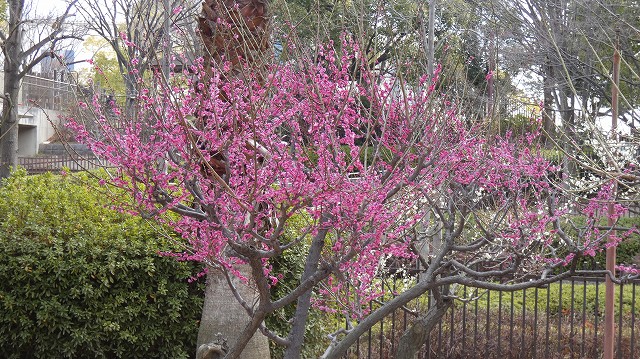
(296, 338)
(13, 55)
(224, 319)
(418, 334)
(235, 31)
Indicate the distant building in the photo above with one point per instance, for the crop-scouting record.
(58, 68)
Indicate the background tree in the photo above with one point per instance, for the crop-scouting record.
(568, 44)
(396, 35)
(24, 43)
(139, 33)
(3, 12)
(105, 74)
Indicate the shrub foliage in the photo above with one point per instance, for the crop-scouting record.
(80, 280)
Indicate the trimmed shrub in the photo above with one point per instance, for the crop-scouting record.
(78, 280)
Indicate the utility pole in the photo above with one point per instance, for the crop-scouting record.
(609, 324)
(430, 43)
(491, 82)
(166, 51)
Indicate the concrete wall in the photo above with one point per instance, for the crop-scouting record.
(35, 127)
(27, 140)
(60, 149)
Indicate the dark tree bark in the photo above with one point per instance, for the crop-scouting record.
(413, 339)
(245, 42)
(12, 48)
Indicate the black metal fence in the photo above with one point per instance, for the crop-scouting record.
(42, 164)
(563, 320)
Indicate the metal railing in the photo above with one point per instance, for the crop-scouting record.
(564, 320)
(42, 164)
(47, 93)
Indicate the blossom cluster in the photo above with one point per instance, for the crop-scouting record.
(361, 157)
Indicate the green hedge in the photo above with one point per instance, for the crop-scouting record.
(78, 280)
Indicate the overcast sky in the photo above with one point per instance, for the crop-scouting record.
(45, 7)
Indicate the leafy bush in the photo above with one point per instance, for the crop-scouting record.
(627, 249)
(79, 280)
(517, 124)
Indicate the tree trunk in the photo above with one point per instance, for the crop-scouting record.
(9, 128)
(131, 99)
(548, 119)
(296, 337)
(224, 319)
(565, 104)
(418, 334)
(11, 90)
(431, 44)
